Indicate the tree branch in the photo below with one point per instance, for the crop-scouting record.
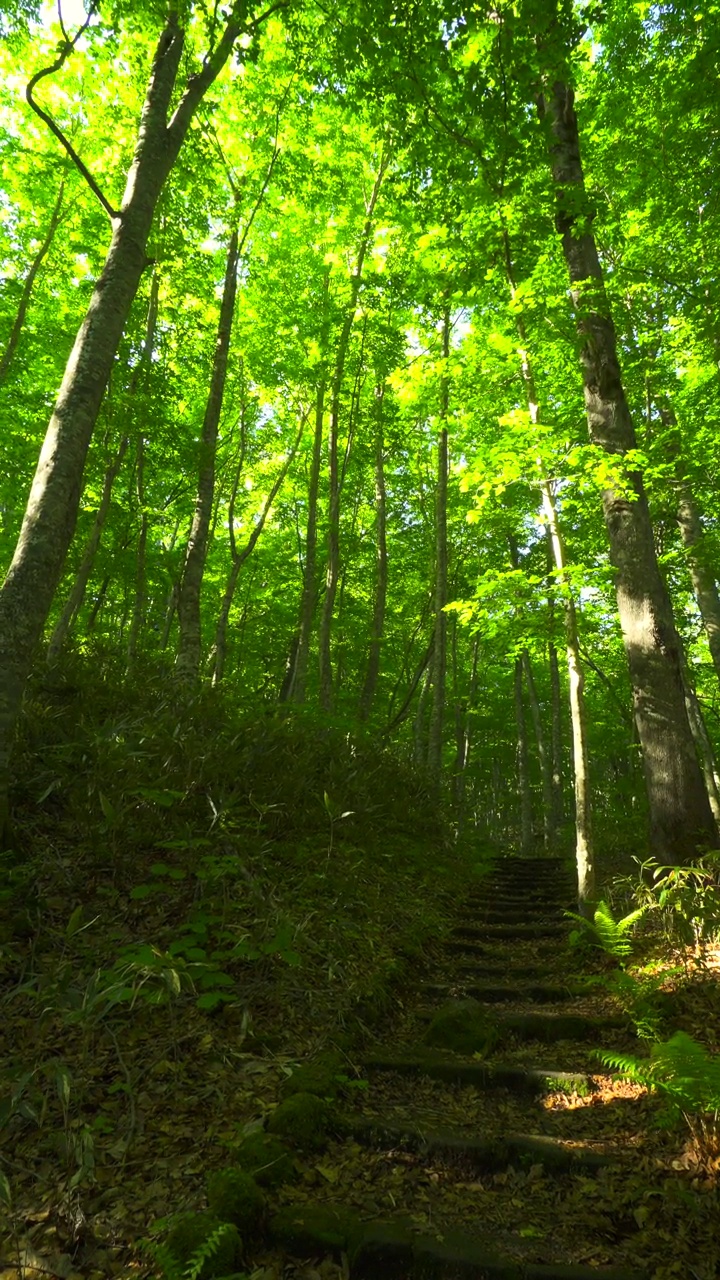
(47, 119)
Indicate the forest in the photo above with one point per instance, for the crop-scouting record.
(359, 639)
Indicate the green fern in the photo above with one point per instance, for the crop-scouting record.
(607, 932)
(679, 1069)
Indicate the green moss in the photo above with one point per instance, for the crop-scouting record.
(234, 1196)
(320, 1078)
(266, 1159)
(192, 1231)
(303, 1119)
(463, 1026)
(307, 1230)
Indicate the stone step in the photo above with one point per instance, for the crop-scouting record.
(492, 930)
(484, 1153)
(510, 915)
(545, 1027)
(479, 1075)
(501, 971)
(547, 945)
(397, 1250)
(487, 993)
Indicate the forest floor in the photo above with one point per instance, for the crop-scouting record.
(162, 987)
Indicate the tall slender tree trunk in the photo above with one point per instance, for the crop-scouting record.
(187, 662)
(29, 282)
(419, 726)
(298, 682)
(680, 816)
(239, 557)
(333, 560)
(140, 601)
(381, 562)
(439, 662)
(584, 851)
(705, 752)
(28, 590)
(556, 718)
(544, 759)
(702, 573)
(556, 739)
(523, 762)
(74, 602)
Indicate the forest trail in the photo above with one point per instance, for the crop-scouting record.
(510, 1158)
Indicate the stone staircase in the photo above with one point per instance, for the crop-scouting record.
(501, 1132)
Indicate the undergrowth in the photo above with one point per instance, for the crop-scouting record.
(190, 885)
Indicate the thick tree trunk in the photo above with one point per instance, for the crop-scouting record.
(28, 590)
(523, 763)
(28, 283)
(381, 563)
(333, 560)
(680, 816)
(187, 662)
(439, 663)
(74, 602)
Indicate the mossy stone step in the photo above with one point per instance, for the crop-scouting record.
(479, 1075)
(394, 1250)
(535, 993)
(543, 929)
(488, 1154)
(465, 1026)
(502, 970)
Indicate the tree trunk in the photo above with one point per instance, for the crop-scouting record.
(28, 283)
(680, 816)
(333, 561)
(381, 563)
(298, 682)
(219, 654)
(187, 662)
(523, 766)
(543, 753)
(74, 602)
(701, 572)
(138, 613)
(703, 745)
(584, 852)
(439, 664)
(49, 521)
(419, 734)
(556, 760)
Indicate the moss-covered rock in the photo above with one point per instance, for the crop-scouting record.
(303, 1120)
(234, 1196)
(307, 1230)
(266, 1159)
(192, 1231)
(463, 1026)
(321, 1078)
